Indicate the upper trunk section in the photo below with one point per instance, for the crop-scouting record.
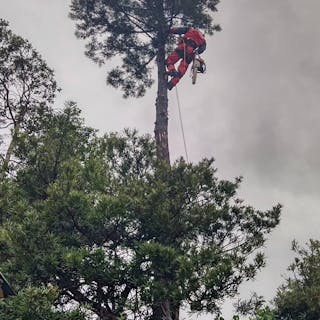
(161, 124)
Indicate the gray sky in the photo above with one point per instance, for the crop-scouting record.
(256, 110)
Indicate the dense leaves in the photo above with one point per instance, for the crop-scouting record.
(27, 85)
(298, 298)
(35, 304)
(119, 233)
(134, 30)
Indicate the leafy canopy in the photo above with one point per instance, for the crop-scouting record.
(27, 85)
(26, 82)
(298, 298)
(35, 304)
(117, 232)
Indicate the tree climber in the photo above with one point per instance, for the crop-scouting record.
(191, 42)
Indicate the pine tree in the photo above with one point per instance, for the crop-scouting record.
(137, 31)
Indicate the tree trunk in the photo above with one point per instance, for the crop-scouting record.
(162, 311)
(161, 124)
(11, 146)
(167, 310)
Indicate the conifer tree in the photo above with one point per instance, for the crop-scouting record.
(137, 31)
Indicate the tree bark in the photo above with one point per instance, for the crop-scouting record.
(162, 311)
(161, 124)
(167, 310)
(11, 146)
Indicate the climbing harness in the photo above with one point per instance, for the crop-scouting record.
(198, 64)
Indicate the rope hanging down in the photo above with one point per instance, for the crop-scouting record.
(181, 125)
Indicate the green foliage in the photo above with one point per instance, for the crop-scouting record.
(46, 144)
(265, 314)
(261, 314)
(298, 298)
(27, 85)
(35, 304)
(134, 30)
(116, 231)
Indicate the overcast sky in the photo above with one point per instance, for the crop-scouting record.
(256, 111)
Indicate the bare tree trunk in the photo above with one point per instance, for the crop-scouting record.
(161, 124)
(162, 310)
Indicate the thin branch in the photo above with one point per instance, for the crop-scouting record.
(130, 17)
(137, 25)
(81, 230)
(7, 102)
(7, 125)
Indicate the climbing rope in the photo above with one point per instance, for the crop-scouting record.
(181, 125)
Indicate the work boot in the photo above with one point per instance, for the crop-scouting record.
(170, 85)
(173, 73)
